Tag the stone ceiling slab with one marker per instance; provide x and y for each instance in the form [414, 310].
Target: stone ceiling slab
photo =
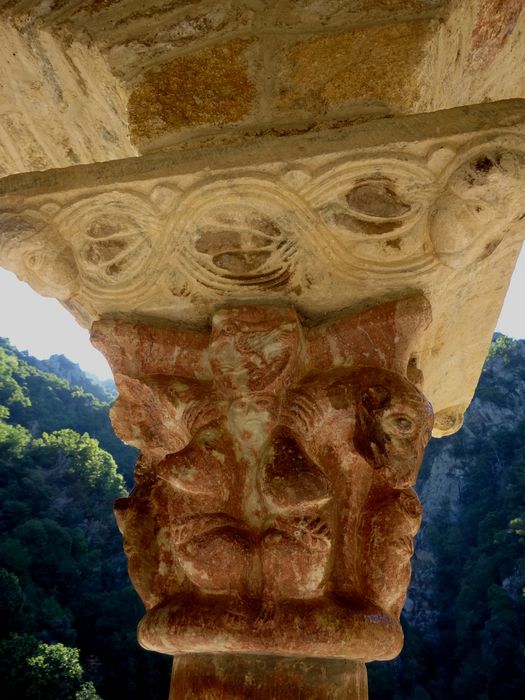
[112, 78]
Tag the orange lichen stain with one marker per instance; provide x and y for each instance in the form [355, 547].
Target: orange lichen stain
[212, 87]
[374, 64]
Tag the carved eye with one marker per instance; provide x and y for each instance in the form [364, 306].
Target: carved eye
[404, 424]
[401, 424]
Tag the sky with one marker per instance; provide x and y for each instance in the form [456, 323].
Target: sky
[43, 327]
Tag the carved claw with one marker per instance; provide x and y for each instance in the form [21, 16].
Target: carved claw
[303, 412]
[312, 532]
[234, 619]
[200, 412]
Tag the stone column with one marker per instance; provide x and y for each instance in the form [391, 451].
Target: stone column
[273, 512]
[227, 676]
[280, 316]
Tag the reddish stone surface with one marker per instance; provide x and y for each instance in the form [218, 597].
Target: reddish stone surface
[235, 677]
[495, 22]
[273, 510]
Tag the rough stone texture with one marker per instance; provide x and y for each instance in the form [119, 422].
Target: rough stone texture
[228, 677]
[59, 104]
[213, 86]
[273, 510]
[495, 21]
[112, 76]
[371, 64]
[335, 219]
[477, 55]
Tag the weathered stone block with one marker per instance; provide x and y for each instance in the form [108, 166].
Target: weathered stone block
[213, 87]
[377, 64]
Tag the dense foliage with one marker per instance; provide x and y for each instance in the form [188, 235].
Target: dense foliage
[68, 612]
[43, 402]
[475, 645]
[59, 365]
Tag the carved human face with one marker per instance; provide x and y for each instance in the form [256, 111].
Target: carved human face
[252, 351]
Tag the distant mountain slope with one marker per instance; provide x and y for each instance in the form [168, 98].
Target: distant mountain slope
[68, 612]
[465, 615]
[105, 391]
[52, 403]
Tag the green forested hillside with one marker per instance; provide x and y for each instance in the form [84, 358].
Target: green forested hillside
[42, 402]
[60, 366]
[68, 613]
[465, 617]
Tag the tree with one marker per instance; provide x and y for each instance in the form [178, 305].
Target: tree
[11, 602]
[32, 670]
[87, 692]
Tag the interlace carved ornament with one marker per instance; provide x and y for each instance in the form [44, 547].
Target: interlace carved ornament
[323, 222]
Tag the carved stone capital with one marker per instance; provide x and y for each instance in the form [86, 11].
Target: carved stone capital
[326, 221]
[271, 280]
[273, 511]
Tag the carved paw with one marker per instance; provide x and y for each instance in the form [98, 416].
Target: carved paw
[234, 619]
[312, 532]
[304, 412]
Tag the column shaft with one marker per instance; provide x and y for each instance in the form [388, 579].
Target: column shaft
[235, 677]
